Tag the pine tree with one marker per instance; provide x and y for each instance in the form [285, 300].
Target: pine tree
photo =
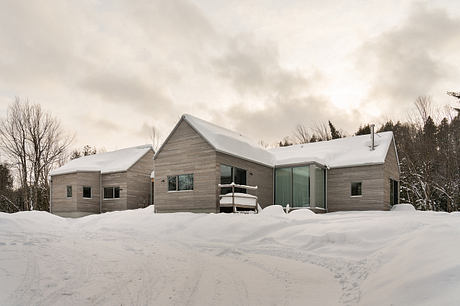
[334, 132]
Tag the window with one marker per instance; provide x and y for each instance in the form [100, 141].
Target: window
[229, 174]
[356, 189]
[69, 191]
[87, 192]
[394, 192]
[111, 192]
[181, 182]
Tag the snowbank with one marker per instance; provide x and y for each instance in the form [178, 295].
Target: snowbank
[302, 213]
[403, 207]
[141, 258]
[273, 210]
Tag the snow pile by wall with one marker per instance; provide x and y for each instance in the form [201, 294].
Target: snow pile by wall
[403, 207]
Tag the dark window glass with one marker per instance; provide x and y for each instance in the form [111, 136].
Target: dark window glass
[283, 186]
[186, 182]
[356, 189]
[87, 192]
[69, 191]
[172, 183]
[117, 192]
[108, 192]
[240, 178]
[226, 175]
[394, 192]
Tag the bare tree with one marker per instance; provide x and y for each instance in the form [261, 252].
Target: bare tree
[321, 130]
[155, 138]
[35, 143]
[301, 134]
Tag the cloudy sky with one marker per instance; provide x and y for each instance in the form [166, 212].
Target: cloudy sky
[111, 69]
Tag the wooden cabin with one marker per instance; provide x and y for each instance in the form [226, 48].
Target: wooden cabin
[110, 181]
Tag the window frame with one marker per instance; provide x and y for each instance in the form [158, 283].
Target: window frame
[69, 187]
[90, 192]
[113, 192]
[233, 170]
[360, 189]
[176, 180]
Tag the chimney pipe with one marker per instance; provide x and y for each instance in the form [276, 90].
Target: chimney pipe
[372, 137]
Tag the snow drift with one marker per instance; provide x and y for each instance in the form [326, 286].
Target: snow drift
[141, 258]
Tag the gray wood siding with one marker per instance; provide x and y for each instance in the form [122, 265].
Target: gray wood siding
[186, 152]
[118, 179]
[90, 179]
[339, 188]
[139, 182]
[59, 200]
[391, 171]
[262, 177]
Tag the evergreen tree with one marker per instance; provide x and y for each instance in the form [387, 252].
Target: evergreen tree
[334, 132]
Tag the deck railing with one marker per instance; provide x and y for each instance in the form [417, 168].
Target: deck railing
[233, 186]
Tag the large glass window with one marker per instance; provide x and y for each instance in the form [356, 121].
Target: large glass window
[301, 186]
[111, 192]
[283, 186]
[180, 182]
[229, 174]
[87, 192]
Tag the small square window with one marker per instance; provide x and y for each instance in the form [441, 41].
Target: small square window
[356, 189]
[69, 191]
[87, 192]
[186, 182]
[108, 192]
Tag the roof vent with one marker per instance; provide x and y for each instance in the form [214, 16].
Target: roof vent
[372, 126]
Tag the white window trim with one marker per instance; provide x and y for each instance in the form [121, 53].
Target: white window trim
[113, 192]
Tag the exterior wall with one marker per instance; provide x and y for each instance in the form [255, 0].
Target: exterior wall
[90, 179]
[75, 206]
[339, 188]
[391, 171]
[138, 179]
[118, 179]
[262, 177]
[186, 152]
[59, 201]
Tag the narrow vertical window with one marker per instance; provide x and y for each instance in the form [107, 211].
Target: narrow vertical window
[69, 191]
[172, 183]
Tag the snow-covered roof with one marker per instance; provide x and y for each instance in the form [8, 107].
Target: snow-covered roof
[342, 152]
[109, 162]
[230, 142]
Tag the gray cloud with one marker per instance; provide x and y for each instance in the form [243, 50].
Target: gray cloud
[409, 60]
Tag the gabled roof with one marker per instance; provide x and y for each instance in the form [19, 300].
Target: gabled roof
[337, 153]
[343, 152]
[109, 162]
[227, 141]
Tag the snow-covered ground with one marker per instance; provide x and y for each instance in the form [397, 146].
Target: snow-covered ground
[141, 258]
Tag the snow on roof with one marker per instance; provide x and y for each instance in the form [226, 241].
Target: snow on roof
[342, 152]
[230, 142]
[109, 162]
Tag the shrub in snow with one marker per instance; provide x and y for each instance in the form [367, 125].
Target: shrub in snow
[403, 207]
[273, 210]
[301, 213]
